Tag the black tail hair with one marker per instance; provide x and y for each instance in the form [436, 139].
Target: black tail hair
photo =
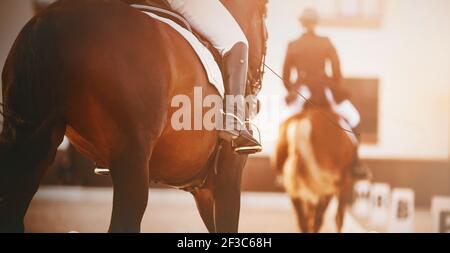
[21, 80]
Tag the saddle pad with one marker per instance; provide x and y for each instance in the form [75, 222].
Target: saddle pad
[210, 65]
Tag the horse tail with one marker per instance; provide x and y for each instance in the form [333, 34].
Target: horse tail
[281, 149]
[16, 80]
[29, 92]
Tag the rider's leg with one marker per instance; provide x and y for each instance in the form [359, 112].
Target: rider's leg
[233, 46]
[349, 112]
[212, 20]
[359, 170]
[345, 108]
[235, 73]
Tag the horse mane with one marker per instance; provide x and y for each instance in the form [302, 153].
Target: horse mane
[262, 6]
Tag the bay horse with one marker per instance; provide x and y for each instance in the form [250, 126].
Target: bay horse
[104, 74]
[315, 156]
[40, 5]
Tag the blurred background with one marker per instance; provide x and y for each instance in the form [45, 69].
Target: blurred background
[395, 57]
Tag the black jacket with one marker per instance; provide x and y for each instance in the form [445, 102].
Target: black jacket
[308, 56]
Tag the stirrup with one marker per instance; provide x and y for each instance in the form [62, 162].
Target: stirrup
[249, 150]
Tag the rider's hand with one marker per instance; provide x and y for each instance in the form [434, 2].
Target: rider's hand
[290, 98]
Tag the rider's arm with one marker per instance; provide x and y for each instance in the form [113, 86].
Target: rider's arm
[287, 69]
[340, 94]
[335, 64]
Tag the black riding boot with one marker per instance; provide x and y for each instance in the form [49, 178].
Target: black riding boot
[235, 81]
[359, 170]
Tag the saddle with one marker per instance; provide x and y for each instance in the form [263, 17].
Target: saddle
[163, 9]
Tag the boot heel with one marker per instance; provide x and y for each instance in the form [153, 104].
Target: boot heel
[228, 136]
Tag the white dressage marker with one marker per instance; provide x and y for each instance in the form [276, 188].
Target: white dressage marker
[380, 205]
[361, 203]
[401, 218]
[440, 212]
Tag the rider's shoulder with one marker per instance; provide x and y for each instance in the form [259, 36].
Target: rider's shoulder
[323, 38]
[292, 45]
[295, 43]
[307, 38]
[324, 41]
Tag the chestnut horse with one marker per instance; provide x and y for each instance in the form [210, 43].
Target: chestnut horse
[315, 157]
[104, 74]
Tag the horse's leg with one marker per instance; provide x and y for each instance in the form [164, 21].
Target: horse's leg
[130, 175]
[301, 217]
[340, 211]
[205, 205]
[23, 183]
[320, 212]
[226, 189]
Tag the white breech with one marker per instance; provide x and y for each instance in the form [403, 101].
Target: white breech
[344, 109]
[212, 20]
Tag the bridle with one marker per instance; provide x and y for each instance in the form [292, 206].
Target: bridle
[255, 77]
